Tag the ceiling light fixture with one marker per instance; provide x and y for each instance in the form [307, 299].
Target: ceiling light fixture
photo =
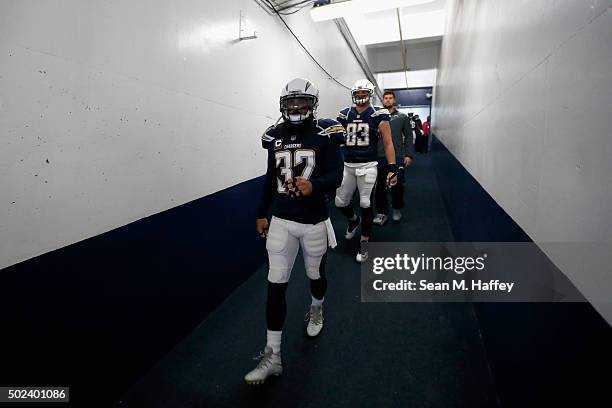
[344, 8]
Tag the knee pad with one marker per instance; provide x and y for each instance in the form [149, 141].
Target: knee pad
[364, 202]
[278, 275]
[344, 193]
[313, 271]
[369, 181]
[314, 247]
[340, 202]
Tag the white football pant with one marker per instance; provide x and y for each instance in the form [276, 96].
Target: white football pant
[284, 240]
[363, 178]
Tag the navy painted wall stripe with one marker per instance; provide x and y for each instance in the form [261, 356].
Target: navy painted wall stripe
[541, 354]
[104, 310]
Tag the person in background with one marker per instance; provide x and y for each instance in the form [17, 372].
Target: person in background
[412, 127]
[401, 135]
[426, 134]
[418, 129]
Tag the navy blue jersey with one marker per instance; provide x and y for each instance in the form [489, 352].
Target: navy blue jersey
[362, 133]
[413, 123]
[312, 152]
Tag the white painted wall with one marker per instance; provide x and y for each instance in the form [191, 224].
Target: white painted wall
[523, 98]
[113, 110]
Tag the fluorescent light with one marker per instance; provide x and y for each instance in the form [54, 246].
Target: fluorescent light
[347, 8]
[382, 29]
[416, 79]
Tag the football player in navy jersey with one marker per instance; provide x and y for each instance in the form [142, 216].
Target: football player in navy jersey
[304, 170]
[364, 124]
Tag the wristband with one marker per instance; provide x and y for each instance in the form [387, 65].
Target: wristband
[392, 168]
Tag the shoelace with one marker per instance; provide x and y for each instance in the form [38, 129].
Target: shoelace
[264, 359]
[315, 318]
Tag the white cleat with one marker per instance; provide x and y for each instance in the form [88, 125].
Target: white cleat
[315, 321]
[352, 228]
[380, 219]
[397, 215]
[362, 255]
[269, 364]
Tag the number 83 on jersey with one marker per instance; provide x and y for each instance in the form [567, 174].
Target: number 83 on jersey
[358, 134]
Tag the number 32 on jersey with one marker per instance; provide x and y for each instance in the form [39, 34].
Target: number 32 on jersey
[285, 161]
[358, 134]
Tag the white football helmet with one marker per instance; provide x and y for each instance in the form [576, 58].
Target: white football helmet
[360, 86]
[299, 100]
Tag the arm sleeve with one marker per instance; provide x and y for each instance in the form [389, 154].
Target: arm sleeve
[269, 187]
[408, 144]
[331, 177]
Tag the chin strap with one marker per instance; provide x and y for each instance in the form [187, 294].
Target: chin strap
[297, 119]
[306, 117]
[300, 127]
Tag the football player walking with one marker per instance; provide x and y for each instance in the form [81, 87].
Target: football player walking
[364, 124]
[304, 169]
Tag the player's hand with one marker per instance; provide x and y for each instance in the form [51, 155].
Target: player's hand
[298, 187]
[304, 186]
[392, 171]
[292, 188]
[407, 161]
[391, 179]
[262, 227]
